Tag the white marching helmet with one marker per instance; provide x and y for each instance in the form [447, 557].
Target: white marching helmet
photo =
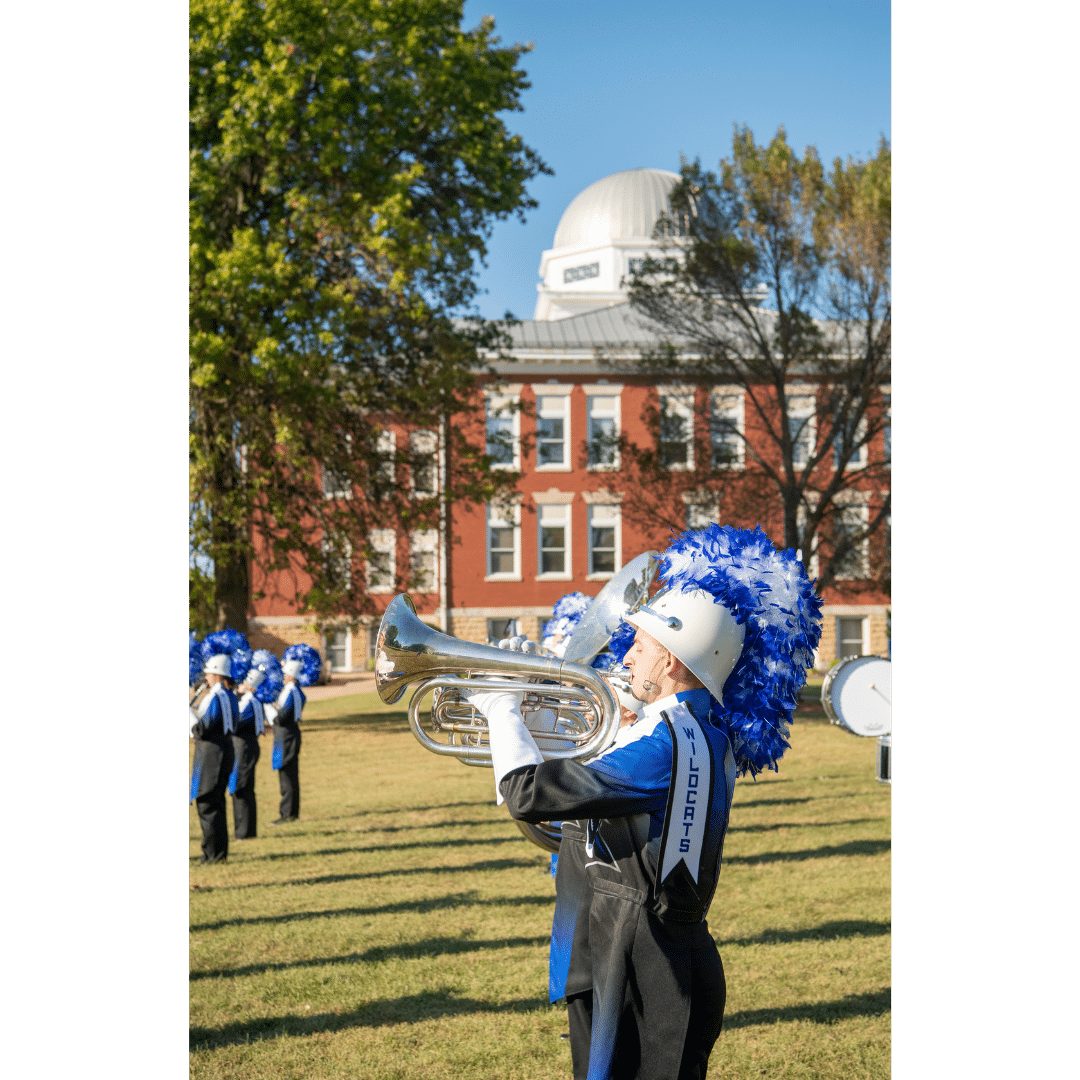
[698, 630]
[255, 678]
[292, 668]
[218, 664]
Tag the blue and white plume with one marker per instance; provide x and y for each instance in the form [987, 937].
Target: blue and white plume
[268, 690]
[195, 660]
[768, 591]
[235, 645]
[567, 614]
[311, 660]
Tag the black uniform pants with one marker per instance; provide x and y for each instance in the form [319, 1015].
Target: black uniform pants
[245, 820]
[215, 824]
[289, 779]
[707, 998]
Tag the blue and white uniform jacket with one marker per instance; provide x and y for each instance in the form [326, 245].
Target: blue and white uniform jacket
[643, 832]
[211, 727]
[251, 713]
[216, 716]
[290, 707]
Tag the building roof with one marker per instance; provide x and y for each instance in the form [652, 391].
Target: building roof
[622, 206]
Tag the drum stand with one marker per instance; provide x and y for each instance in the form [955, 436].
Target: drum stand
[884, 759]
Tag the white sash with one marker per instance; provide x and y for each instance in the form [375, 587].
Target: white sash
[690, 795]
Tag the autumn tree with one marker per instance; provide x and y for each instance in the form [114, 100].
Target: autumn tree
[773, 282]
[347, 161]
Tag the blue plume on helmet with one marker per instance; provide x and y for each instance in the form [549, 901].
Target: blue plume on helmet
[617, 648]
[768, 592]
[312, 662]
[195, 660]
[268, 690]
[235, 645]
[567, 614]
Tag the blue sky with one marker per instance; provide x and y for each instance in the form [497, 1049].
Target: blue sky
[630, 84]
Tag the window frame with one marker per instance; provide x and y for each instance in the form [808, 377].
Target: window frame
[808, 414]
[864, 638]
[554, 507]
[496, 402]
[556, 393]
[503, 517]
[424, 541]
[601, 390]
[695, 501]
[682, 398]
[383, 541]
[348, 645]
[346, 555]
[738, 410]
[843, 503]
[416, 450]
[610, 515]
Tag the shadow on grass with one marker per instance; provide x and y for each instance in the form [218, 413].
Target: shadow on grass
[464, 823]
[416, 950]
[394, 723]
[429, 1005]
[798, 825]
[770, 802]
[465, 841]
[820, 1012]
[853, 847]
[421, 907]
[830, 931]
[412, 871]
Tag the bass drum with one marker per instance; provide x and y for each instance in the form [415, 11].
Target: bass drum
[545, 835]
[857, 695]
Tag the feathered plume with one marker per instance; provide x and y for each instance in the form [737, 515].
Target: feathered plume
[567, 614]
[235, 645]
[768, 592]
[195, 660]
[617, 648]
[270, 666]
[309, 658]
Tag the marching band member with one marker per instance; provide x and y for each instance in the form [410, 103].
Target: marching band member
[300, 666]
[246, 747]
[717, 661]
[211, 727]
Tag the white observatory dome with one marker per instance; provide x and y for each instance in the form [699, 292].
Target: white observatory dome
[622, 206]
[602, 236]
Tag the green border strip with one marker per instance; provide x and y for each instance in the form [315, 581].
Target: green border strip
[95, 191]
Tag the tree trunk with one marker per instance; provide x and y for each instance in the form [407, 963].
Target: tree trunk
[232, 593]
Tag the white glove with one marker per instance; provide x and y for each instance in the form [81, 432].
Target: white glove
[520, 644]
[192, 721]
[269, 712]
[511, 744]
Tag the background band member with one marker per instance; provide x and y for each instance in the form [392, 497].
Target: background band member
[300, 667]
[718, 658]
[211, 727]
[245, 739]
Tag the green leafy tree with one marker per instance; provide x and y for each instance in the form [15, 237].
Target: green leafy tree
[775, 280]
[347, 162]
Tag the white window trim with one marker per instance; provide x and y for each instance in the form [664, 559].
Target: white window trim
[568, 524]
[596, 390]
[886, 388]
[346, 555]
[807, 410]
[421, 540]
[604, 575]
[861, 460]
[417, 439]
[554, 390]
[865, 628]
[810, 498]
[503, 517]
[682, 401]
[505, 403]
[348, 646]
[385, 542]
[734, 404]
[702, 499]
[856, 500]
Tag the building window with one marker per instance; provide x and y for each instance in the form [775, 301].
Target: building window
[503, 431]
[603, 431]
[336, 645]
[553, 537]
[580, 273]
[676, 431]
[802, 428]
[552, 431]
[504, 543]
[728, 447]
[384, 472]
[605, 540]
[702, 508]
[423, 560]
[500, 629]
[849, 636]
[886, 434]
[334, 485]
[337, 563]
[849, 522]
[381, 568]
[858, 439]
[422, 449]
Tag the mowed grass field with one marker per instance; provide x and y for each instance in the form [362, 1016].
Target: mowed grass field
[399, 930]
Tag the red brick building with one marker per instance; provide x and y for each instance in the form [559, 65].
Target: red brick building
[555, 413]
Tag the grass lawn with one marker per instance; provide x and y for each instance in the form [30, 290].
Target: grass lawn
[399, 930]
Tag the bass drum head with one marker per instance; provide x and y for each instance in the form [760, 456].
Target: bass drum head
[546, 835]
[857, 695]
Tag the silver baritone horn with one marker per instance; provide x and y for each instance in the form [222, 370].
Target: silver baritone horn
[571, 712]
